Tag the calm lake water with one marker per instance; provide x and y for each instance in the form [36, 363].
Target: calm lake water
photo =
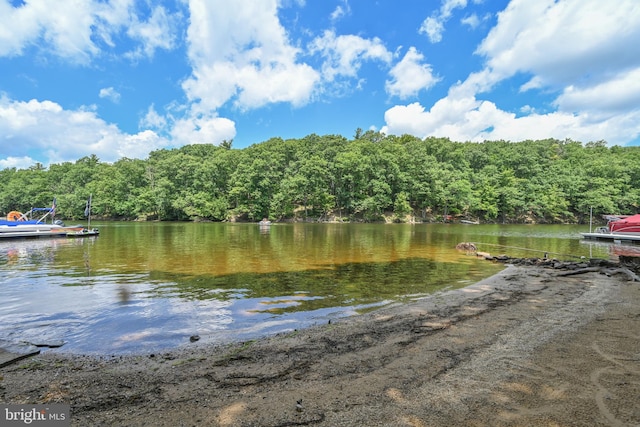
[142, 287]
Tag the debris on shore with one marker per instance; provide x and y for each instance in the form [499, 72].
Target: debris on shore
[627, 265]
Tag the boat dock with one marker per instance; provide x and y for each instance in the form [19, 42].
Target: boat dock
[613, 237]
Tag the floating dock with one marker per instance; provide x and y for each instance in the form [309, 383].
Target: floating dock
[613, 237]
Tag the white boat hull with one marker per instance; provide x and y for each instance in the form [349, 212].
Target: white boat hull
[42, 230]
[35, 233]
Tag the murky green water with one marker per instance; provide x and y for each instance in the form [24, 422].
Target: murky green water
[147, 286]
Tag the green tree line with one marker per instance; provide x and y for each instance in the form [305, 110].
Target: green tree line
[369, 178]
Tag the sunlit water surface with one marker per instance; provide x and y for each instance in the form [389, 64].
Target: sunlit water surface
[142, 287]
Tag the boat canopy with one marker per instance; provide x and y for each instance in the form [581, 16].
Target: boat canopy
[633, 219]
[16, 218]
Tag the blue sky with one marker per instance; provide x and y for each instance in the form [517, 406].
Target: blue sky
[121, 78]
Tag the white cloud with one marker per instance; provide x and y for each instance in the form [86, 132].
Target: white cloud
[137, 146]
[158, 32]
[448, 6]
[459, 118]
[239, 51]
[433, 26]
[341, 11]
[64, 135]
[65, 27]
[73, 29]
[203, 130]
[337, 13]
[410, 76]
[16, 28]
[345, 54]
[473, 21]
[564, 42]
[468, 119]
[242, 56]
[110, 93]
[584, 50]
[153, 120]
[618, 94]
[17, 162]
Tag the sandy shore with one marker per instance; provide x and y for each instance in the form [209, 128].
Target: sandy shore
[527, 347]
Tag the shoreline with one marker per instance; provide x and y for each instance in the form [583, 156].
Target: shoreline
[527, 346]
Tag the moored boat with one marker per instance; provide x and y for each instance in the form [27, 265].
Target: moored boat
[618, 228]
[18, 225]
[624, 225]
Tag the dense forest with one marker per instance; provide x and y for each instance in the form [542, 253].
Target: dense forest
[372, 177]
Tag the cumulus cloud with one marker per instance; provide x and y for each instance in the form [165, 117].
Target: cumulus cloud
[239, 51]
[17, 162]
[138, 145]
[594, 69]
[203, 130]
[241, 56]
[558, 44]
[344, 55]
[66, 135]
[621, 92]
[184, 127]
[74, 31]
[410, 76]
[66, 28]
[469, 119]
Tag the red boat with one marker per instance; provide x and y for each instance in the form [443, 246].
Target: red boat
[624, 225]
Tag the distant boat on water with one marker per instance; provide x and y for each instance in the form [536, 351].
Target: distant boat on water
[466, 221]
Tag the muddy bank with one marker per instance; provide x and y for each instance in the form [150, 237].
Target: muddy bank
[529, 346]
